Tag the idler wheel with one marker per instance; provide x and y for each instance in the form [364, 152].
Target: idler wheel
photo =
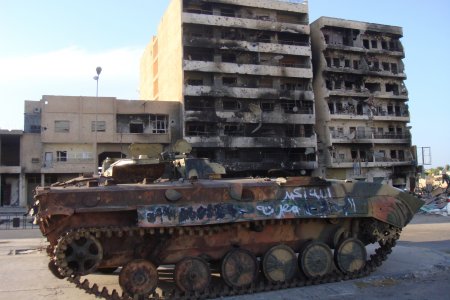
[350, 255]
[139, 277]
[316, 259]
[239, 268]
[192, 274]
[280, 264]
[83, 254]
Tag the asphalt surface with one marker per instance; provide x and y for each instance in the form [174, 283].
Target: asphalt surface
[418, 268]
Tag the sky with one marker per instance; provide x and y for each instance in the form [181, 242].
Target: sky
[52, 47]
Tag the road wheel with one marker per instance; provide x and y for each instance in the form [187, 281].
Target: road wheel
[316, 259]
[239, 268]
[139, 277]
[350, 255]
[192, 274]
[280, 264]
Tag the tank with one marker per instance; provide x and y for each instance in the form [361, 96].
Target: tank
[248, 234]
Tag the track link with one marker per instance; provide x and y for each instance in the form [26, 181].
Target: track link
[217, 289]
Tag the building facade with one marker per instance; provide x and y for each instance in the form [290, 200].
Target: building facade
[361, 102]
[242, 71]
[63, 135]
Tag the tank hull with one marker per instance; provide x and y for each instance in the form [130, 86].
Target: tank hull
[205, 221]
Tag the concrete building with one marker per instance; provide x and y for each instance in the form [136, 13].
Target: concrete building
[60, 134]
[361, 102]
[242, 71]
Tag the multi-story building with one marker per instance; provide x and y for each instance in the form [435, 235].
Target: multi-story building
[242, 71]
[361, 102]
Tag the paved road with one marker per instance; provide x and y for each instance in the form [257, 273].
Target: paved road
[418, 268]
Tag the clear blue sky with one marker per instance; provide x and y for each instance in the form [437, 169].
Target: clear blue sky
[52, 47]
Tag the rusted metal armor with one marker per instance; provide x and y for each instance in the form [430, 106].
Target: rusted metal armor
[257, 233]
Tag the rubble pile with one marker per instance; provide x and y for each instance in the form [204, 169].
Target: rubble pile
[436, 202]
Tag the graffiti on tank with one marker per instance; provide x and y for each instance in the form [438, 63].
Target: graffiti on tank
[163, 213]
[296, 203]
[308, 193]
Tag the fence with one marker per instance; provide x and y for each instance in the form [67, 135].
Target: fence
[16, 222]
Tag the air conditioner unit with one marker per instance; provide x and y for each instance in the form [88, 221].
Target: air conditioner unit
[37, 110]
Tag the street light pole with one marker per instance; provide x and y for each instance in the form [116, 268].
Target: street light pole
[98, 70]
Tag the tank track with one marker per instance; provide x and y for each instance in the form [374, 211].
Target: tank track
[216, 290]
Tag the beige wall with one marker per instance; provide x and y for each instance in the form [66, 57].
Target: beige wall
[78, 142]
[31, 153]
[146, 76]
[169, 54]
[80, 112]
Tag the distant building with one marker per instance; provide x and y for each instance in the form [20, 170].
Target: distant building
[361, 102]
[242, 71]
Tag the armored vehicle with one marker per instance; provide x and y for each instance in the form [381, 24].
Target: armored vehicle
[257, 233]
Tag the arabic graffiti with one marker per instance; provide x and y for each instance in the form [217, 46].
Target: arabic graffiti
[297, 203]
[160, 213]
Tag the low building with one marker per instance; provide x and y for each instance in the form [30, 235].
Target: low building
[66, 136]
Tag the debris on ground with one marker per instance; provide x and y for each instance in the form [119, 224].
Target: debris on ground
[436, 202]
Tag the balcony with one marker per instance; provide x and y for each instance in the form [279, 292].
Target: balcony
[253, 142]
[395, 138]
[204, 17]
[347, 48]
[374, 72]
[250, 69]
[369, 163]
[247, 92]
[365, 93]
[369, 138]
[376, 116]
[278, 116]
[261, 45]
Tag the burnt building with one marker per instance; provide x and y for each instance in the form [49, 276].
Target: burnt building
[361, 102]
[242, 71]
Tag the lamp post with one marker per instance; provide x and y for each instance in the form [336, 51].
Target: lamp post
[98, 70]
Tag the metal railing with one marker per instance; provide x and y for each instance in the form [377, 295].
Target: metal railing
[369, 135]
[16, 221]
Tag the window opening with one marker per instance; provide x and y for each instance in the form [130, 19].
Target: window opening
[366, 44]
[229, 57]
[229, 81]
[101, 126]
[158, 123]
[267, 106]
[61, 155]
[136, 127]
[62, 126]
[231, 105]
[194, 81]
